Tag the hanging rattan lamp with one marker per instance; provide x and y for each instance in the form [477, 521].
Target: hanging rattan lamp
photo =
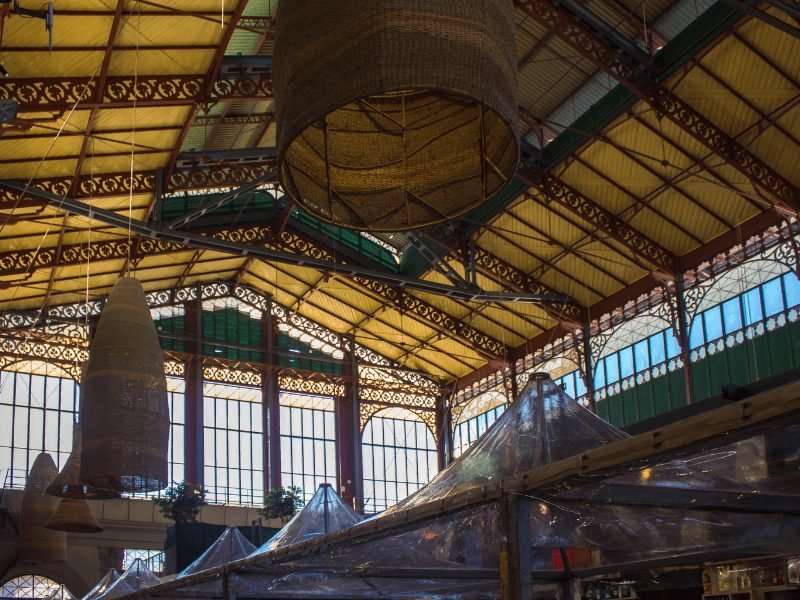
[68, 485]
[75, 516]
[36, 543]
[124, 412]
[395, 114]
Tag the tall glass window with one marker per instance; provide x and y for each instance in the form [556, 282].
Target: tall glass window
[308, 442]
[34, 586]
[37, 410]
[176, 388]
[475, 419]
[233, 437]
[399, 454]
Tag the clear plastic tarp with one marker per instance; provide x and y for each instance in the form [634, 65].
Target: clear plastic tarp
[229, 546]
[106, 582]
[137, 577]
[324, 513]
[740, 499]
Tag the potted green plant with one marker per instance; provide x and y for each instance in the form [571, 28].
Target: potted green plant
[182, 502]
[282, 503]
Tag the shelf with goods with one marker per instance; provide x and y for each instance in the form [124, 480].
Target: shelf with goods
[752, 579]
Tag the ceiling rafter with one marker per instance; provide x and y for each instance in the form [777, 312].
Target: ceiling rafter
[639, 244]
[325, 311]
[505, 273]
[613, 62]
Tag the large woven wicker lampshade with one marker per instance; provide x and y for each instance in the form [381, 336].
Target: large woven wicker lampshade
[124, 412]
[395, 114]
[36, 543]
[75, 516]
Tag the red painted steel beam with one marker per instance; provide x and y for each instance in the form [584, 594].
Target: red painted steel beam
[57, 94]
[211, 176]
[612, 61]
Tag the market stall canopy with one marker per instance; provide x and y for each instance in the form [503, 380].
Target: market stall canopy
[324, 513]
[229, 546]
[109, 579]
[137, 577]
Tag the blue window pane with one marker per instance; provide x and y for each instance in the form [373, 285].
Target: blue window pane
[580, 386]
[791, 287]
[612, 368]
[626, 362]
[713, 322]
[569, 382]
[673, 348]
[657, 355]
[732, 315]
[773, 297]
[696, 337]
[751, 305]
[600, 374]
[641, 355]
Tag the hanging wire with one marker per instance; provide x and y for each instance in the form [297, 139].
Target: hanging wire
[133, 135]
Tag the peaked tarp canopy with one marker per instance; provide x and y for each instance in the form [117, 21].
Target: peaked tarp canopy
[106, 582]
[229, 546]
[135, 578]
[324, 513]
[741, 499]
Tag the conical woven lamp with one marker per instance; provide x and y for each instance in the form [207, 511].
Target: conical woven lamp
[67, 484]
[124, 411]
[36, 543]
[74, 515]
[395, 114]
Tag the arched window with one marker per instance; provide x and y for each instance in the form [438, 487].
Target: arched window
[475, 419]
[34, 586]
[399, 454]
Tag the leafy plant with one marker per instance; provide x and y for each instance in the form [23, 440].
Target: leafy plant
[282, 503]
[182, 502]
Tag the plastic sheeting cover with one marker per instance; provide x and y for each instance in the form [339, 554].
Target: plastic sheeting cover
[324, 513]
[229, 546]
[137, 577]
[106, 582]
[541, 426]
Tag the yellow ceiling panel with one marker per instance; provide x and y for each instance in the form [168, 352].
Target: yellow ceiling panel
[145, 116]
[15, 149]
[168, 29]
[147, 62]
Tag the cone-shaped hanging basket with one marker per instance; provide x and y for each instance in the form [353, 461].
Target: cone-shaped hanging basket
[124, 411]
[395, 114]
[74, 515]
[36, 542]
[67, 484]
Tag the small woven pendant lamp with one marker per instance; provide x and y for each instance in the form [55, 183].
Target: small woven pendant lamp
[67, 484]
[75, 516]
[36, 543]
[124, 412]
[395, 114]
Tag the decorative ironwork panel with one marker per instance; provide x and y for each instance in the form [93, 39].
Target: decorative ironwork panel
[304, 385]
[225, 374]
[55, 94]
[406, 302]
[638, 243]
